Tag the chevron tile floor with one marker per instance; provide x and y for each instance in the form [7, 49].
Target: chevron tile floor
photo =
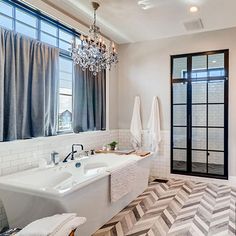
[177, 208]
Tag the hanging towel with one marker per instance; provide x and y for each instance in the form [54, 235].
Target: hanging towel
[136, 125]
[122, 180]
[56, 225]
[154, 129]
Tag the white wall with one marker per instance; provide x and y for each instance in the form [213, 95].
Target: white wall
[144, 70]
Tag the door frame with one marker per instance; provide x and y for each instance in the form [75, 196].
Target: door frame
[188, 104]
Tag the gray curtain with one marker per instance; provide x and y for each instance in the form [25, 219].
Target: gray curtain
[28, 87]
[89, 103]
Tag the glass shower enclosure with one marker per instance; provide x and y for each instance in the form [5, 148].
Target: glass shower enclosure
[199, 114]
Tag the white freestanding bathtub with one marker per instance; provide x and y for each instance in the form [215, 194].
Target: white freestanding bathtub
[37, 193]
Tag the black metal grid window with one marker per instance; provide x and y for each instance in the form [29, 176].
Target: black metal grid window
[23, 19]
[199, 114]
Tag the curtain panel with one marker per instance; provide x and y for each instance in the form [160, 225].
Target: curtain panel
[29, 72]
[89, 100]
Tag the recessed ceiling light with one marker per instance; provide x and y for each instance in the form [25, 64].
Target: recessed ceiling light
[193, 9]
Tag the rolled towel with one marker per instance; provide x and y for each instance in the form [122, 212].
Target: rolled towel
[53, 225]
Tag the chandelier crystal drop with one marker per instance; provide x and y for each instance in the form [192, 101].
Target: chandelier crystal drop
[92, 53]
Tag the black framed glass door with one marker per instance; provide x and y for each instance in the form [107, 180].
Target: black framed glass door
[199, 114]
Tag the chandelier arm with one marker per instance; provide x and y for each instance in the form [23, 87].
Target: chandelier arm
[92, 53]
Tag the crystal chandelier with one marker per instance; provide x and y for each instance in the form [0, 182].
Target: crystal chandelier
[92, 53]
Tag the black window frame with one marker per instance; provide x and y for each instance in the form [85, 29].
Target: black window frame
[40, 16]
[188, 79]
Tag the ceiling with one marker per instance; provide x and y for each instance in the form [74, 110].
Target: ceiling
[125, 21]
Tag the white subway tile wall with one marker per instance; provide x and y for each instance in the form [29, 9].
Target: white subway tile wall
[161, 162]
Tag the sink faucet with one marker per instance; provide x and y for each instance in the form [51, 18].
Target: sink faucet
[73, 152]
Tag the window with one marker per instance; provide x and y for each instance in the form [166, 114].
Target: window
[65, 95]
[22, 19]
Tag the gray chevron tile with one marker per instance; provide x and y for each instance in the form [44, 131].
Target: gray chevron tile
[177, 208]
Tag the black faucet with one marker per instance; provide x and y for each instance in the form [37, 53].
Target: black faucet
[73, 152]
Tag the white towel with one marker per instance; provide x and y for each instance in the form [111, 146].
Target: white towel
[154, 129]
[55, 225]
[136, 125]
[122, 181]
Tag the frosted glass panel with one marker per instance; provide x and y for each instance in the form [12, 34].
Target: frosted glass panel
[216, 163]
[199, 138]
[199, 66]
[199, 115]
[216, 115]
[179, 159]
[179, 136]
[216, 139]
[199, 92]
[216, 65]
[179, 93]
[180, 115]
[199, 160]
[180, 68]
[216, 92]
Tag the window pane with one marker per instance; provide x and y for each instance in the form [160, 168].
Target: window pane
[179, 93]
[65, 36]
[78, 41]
[216, 64]
[216, 61]
[48, 28]
[216, 92]
[180, 115]
[199, 66]
[216, 139]
[66, 65]
[199, 92]
[216, 115]
[65, 113]
[179, 137]
[179, 160]
[26, 30]
[199, 115]
[199, 138]
[216, 163]
[6, 22]
[199, 160]
[180, 68]
[6, 9]
[48, 39]
[26, 18]
[65, 46]
[65, 90]
[65, 83]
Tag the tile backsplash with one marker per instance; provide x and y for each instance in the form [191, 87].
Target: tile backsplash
[161, 161]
